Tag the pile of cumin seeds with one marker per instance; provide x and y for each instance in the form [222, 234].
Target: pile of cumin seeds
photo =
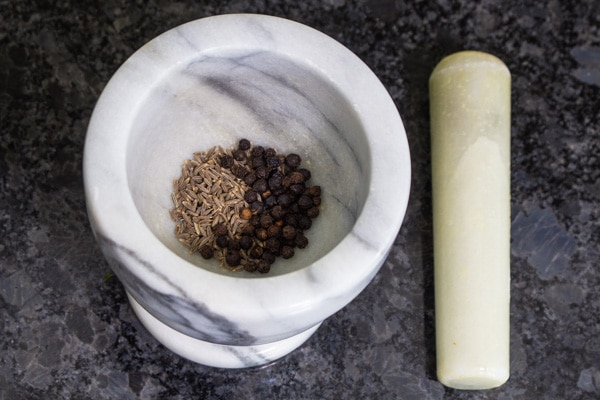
[205, 196]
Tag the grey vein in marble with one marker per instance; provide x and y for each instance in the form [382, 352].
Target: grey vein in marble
[171, 308]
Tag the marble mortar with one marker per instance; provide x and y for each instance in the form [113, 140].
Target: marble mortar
[280, 84]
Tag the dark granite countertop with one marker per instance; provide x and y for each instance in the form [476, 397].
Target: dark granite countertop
[67, 330]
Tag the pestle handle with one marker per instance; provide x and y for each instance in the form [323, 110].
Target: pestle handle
[470, 145]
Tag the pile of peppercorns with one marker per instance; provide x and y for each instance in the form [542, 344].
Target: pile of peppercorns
[281, 207]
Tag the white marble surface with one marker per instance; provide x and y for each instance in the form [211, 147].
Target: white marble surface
[276, 82]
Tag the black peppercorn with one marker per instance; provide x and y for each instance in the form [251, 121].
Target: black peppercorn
[273, 231]
[288, 232]
[261, 234]
[294, 207]
[270, 152]
[222, 241]
[277, 172]
[304, 222]
[291, 219]
[296, 177]
[233, 258]
[272, 244]
[250, 178]
[278, 190]
[306, 173]
[207, 251]
[256, 252]
[255, 221]
[286, 181]
[305, 202]
[270, 202]
[316, 200]
[285, 199]
[297, 188]
[226, 161]
[268, 256]
[287, 252]
[257, 151]
[248, 230]
[275, 180]
[250, 266]
[293, 160]
[219, 229]
[257, 162]
[314, 191]
[246, 242]
[301, 240]
[257, 207]
[266, 221]
[262, 172]
[260, 185]
[251, 196]
[278, 212]
[244, 144]
[263, 267]
[239, 171]
[239, 155]
[272, 162]
[312, 212]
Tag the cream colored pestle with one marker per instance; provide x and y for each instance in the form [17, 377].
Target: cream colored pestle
[470, 145]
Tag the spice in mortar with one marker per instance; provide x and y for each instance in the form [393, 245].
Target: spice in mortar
[244, 206]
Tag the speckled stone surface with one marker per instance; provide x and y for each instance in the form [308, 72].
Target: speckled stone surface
[67, 330]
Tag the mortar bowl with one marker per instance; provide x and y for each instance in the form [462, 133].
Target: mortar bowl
[279, 84]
